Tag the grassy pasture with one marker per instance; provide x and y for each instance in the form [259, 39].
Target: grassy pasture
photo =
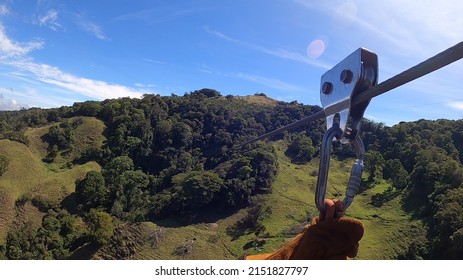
[29, 177]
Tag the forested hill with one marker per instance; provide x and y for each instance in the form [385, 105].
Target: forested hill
[97, 167]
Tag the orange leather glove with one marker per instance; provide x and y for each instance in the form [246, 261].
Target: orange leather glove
[330, 237]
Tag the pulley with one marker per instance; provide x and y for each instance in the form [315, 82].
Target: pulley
[356, 73]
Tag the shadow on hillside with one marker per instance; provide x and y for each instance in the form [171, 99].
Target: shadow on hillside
[416, 202]
[380, 199]
[365, 185]
[70, 204]
[85, 252]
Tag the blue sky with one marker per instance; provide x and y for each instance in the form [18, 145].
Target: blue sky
[55, 53]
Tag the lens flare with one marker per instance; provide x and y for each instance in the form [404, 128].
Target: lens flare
[316, 48]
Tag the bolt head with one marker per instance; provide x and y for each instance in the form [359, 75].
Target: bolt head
[327, 87]
[346, 76]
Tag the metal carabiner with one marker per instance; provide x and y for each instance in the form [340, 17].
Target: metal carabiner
[324, 166]
[355, 179]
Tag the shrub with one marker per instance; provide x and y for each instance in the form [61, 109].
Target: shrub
[4, 162]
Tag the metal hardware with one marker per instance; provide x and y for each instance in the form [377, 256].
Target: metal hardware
[355, 178]
[324, 166]
[356, 173]
[356, 73]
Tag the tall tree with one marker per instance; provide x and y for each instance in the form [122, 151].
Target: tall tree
[101, 226]
[91, 191]
[374, 163]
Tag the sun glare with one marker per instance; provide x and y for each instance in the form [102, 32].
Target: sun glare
[316, 48]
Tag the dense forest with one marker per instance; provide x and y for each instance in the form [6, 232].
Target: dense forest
[174, 155]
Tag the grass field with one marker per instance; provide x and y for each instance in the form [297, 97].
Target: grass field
[259, 100]
[88, 133]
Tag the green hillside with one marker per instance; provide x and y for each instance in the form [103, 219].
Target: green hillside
[164, 177]
[29, 179]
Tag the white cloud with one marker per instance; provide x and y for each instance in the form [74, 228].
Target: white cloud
[145, 86]
[15, 55]
[7, 104]
[50, 20]
[91, 88]
[456, 105]
[11, 49]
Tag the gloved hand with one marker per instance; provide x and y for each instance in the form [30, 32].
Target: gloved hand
[330, 237]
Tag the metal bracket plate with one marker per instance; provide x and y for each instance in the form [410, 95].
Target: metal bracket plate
[356, 73]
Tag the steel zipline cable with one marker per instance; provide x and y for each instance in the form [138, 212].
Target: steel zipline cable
[430, 65]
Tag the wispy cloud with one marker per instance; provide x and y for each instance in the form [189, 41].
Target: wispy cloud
[281, 53]
[351, 15]
[4, 10]
[157, 15]
[11, 49]
[139, 15]
[91, 27]
[50, 19]
[456, 105]
[94, 29]
[91, 88]
[155, 61]
[403, 34]
[430, 19]
[16, 56]
[257, 79]
[268, 82]
[405, 27]
[205, 68]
